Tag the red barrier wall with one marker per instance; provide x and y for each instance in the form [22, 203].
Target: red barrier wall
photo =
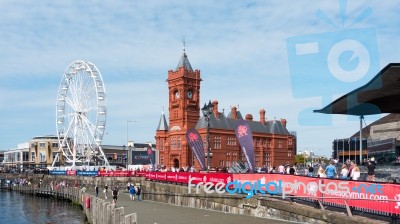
[381, 197]
[183, 177]
[117, 173]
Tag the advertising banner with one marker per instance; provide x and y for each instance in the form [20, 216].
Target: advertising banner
[142, 157]
[183, 177]
[382, 197]
[118, 173]
[141, 173]
[58, 172]
[196, 144]
[211, 177]
[371, 196]
[375, 196]
[245, 138]
[71, 172]
[87, 173]
[277, 184]
[150, 154]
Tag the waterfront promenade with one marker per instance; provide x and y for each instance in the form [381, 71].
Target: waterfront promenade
[150, 212]
[165, 204]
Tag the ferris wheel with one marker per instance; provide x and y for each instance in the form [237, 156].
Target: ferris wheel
[81, 115]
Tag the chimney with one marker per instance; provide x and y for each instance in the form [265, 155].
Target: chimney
[262, 116]
[249, 117]
[283, 121]
[234, 112]
[215, 108]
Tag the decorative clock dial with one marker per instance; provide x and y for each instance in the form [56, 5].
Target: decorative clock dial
[189, 94]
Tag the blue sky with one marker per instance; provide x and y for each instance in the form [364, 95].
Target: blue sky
[241, 47]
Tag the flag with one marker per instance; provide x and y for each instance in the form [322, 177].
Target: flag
[150, 154]
[245, 138]
[196, 144]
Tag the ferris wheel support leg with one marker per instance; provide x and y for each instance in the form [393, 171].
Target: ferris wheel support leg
[106, 163]
[55, 160]
[73, 166]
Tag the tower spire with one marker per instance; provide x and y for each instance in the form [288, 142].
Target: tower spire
[184, 61]
[162, 124]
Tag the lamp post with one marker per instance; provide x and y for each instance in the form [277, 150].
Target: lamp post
[126, 161]
[131, 145]
[207, 111]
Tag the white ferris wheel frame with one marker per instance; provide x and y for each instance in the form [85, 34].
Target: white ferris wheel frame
[81, 114]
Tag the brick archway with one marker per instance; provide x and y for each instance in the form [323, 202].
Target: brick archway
[175, 163]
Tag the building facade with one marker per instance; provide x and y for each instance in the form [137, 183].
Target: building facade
[41, 151]
[273, 143]
[17, 158]
[381, 140]
[1, 158]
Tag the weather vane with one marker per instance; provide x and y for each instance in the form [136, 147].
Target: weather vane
[184, 43]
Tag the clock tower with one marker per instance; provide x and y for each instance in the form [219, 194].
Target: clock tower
[184, 113]
[184, 95]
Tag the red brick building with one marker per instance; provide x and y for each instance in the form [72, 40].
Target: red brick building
[273, 144]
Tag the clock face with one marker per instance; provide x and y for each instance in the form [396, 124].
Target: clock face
[177, 95]
[189, 94]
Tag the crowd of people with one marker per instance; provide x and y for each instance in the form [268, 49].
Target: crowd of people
[57, 185]
[135, 192]
[346, 171]
[20, 182]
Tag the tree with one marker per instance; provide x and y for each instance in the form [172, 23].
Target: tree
[299, 159]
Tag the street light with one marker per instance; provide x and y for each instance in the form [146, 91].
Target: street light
[131, 144]
[126, 161]
[207, 111]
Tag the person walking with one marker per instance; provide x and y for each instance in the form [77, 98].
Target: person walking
[96, 188]
[321, 172]
[115, 193]
[371, 171]
[138, 193]
[105, 191]
[281, 169]
[355, 174]
[344, 174]
[292, 170]
[351, 169]
[132, 192]
[311, 171]
[306, 170]
[330, 170]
